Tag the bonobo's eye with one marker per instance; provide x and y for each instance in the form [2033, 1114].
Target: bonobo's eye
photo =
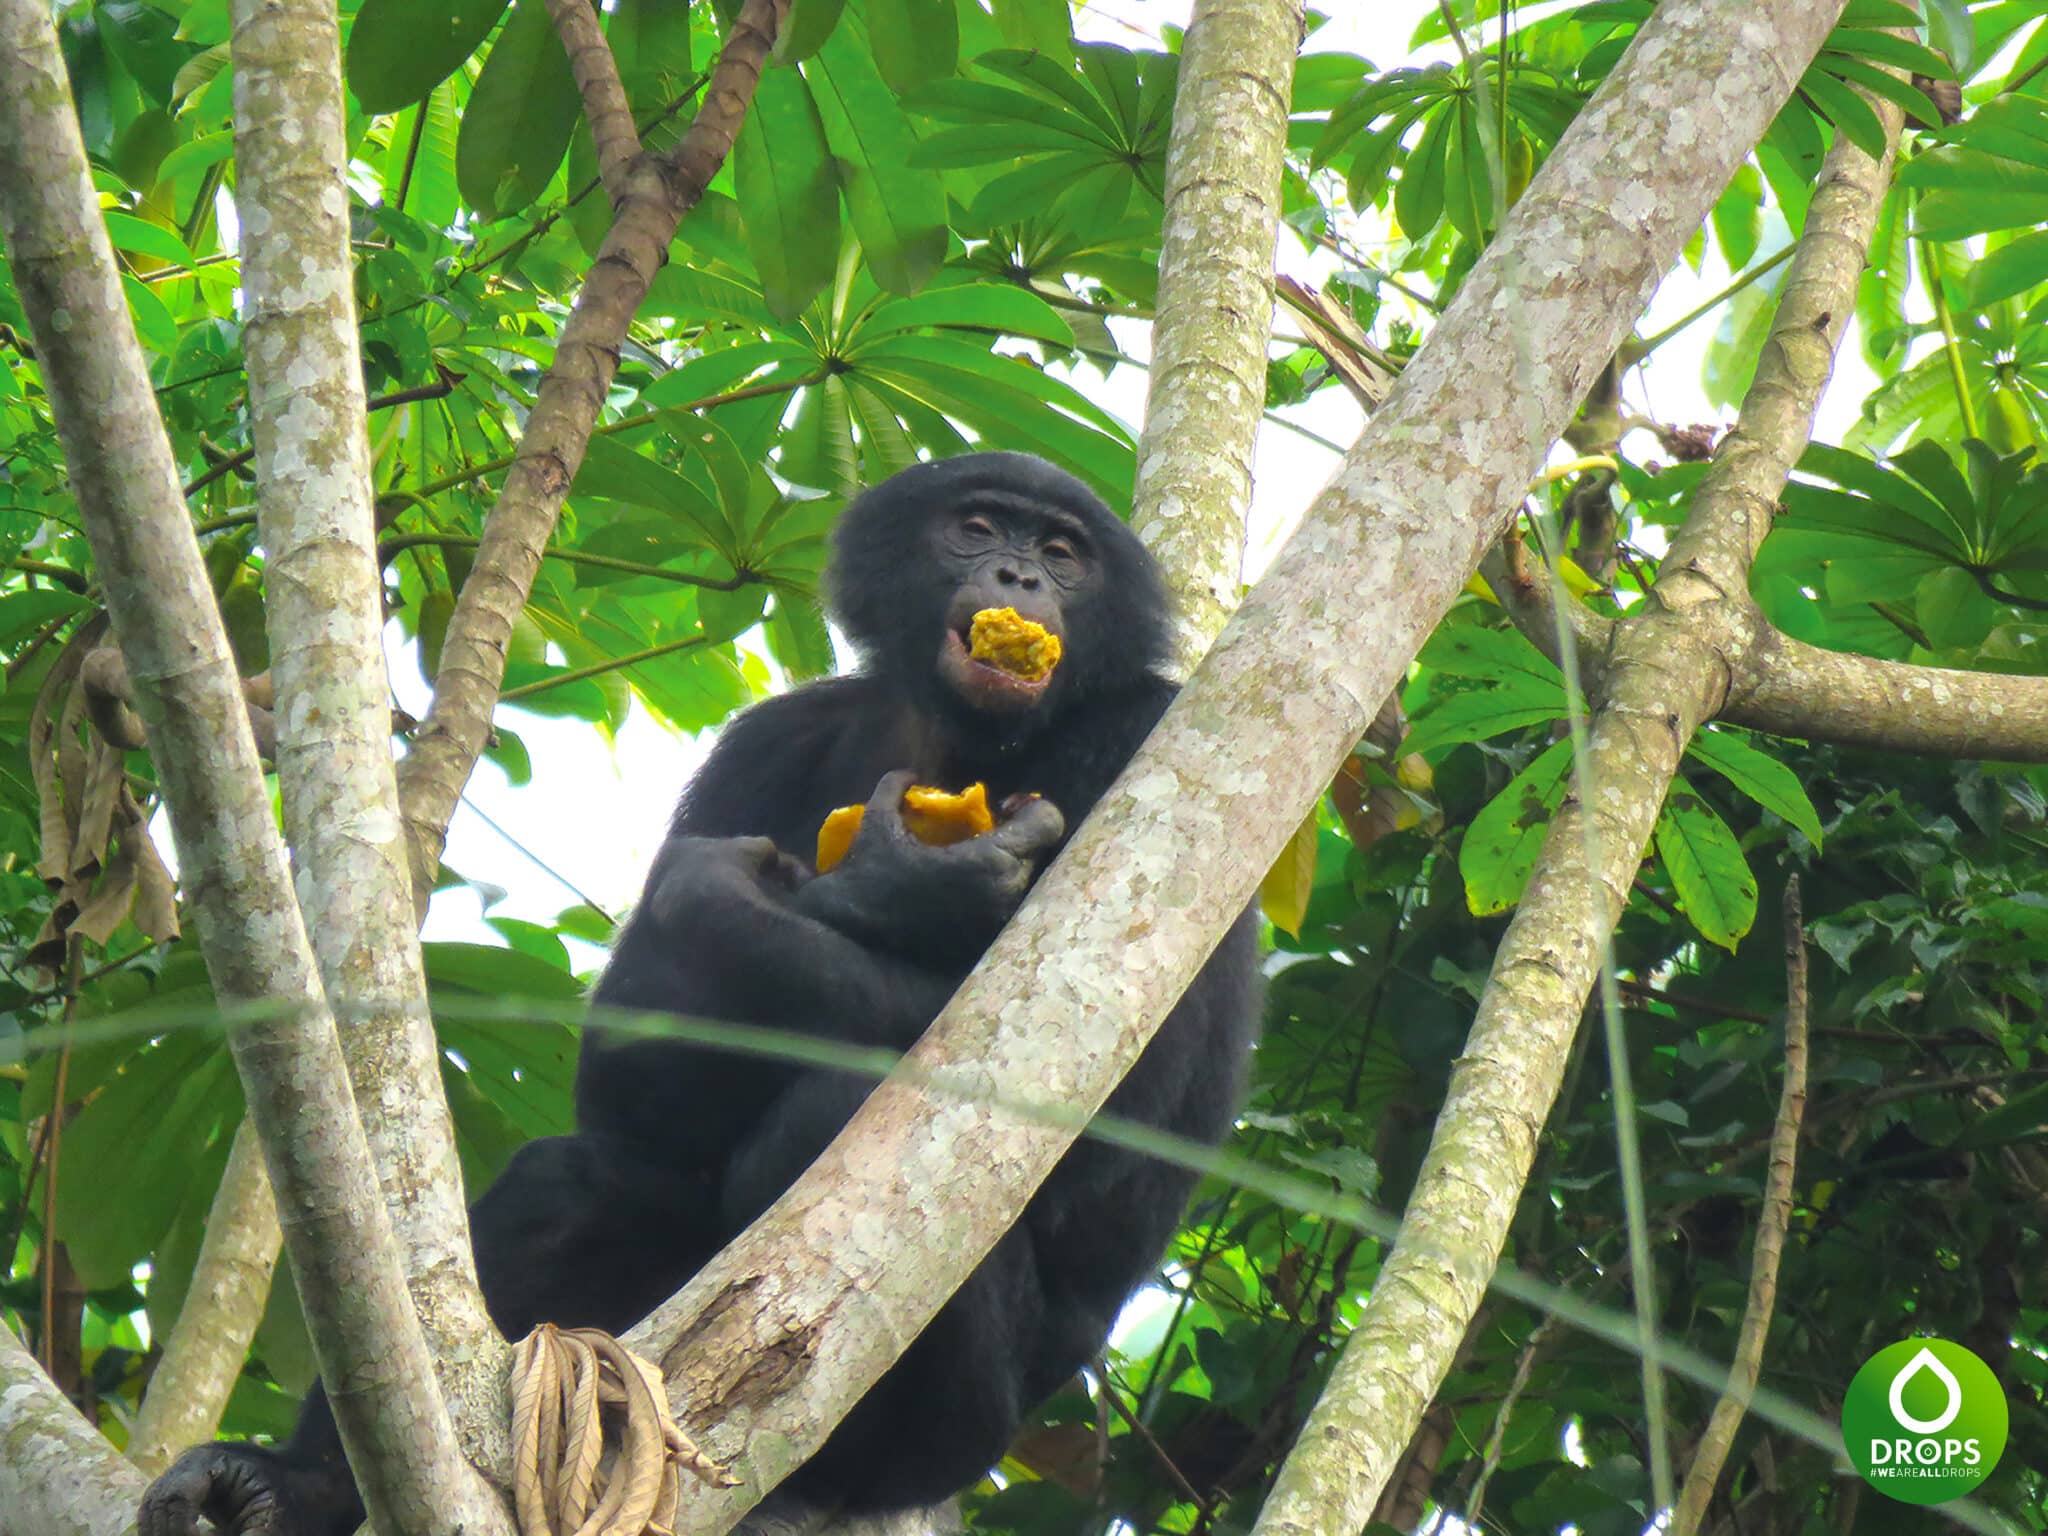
[977, 527]
[1064, 561]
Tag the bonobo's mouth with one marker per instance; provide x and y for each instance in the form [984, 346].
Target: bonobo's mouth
[980, 685]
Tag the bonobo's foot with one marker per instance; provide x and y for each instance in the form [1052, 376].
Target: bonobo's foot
[246, 1490]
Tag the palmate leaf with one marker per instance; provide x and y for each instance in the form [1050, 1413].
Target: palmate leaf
[1758, 775]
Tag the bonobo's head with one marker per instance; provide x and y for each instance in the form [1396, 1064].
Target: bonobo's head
[915, 558]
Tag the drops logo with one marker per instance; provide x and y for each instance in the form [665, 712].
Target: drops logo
[1924, 1421]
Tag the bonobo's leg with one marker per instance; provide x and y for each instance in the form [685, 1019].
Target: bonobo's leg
[578, 1230]
[943, 1414]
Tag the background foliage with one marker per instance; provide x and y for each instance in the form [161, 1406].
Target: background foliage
[927, 223]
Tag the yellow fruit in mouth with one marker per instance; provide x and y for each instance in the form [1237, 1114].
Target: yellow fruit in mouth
[1006, 640]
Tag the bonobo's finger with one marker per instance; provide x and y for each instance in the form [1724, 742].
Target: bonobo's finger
[885, 805]
[753, 854]
[1030, 829]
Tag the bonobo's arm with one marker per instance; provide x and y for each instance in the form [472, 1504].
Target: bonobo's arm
[940, 905]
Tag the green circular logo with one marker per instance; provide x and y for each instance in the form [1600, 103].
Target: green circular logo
[1924, 1421]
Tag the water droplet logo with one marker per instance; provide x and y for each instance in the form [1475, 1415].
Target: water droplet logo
[1925, 1361]
[1924, 1421]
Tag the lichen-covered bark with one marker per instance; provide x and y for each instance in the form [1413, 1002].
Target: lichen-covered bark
[232, 863]
[1208, 376]
[1794, 689]
[765, 1343]
[324, 601]
[206, 1348]
[1665, 675]
[657, 193]
[605, 108]
[58, 1475]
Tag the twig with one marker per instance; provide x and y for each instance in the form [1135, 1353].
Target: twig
[1772, 1224]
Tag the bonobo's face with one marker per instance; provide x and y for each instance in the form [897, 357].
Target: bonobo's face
[1038, 561]
[916, 557]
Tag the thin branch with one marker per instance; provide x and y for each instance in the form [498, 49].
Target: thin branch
[207, 1347]
[598, 669]
[390, 549]
[1772, 1224]
[656, 196]
[439, 389]
[605, 107]
[1634, 352]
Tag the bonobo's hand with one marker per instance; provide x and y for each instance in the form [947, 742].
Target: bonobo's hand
[936, 903]
[699, 883]
[245, 1490]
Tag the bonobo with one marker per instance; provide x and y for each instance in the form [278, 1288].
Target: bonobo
[677, 1148]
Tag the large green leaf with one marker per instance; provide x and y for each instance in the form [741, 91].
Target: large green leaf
[898, 211]
[521, 110]
[1708, 873]
[788, 193]
[1500, 847]
[398, 50]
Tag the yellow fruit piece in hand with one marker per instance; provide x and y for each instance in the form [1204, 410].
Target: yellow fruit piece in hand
[934, 816]
[1006, 640]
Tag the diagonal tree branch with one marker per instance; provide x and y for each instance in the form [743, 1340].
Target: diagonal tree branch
[235, 874]
[605, 107]
[1666, 675]
[656, 195]
[766, 1348]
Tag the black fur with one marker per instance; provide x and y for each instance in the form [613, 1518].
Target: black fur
[678, 1148]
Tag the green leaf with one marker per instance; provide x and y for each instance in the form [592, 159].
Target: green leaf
[898, 211]
[153, 322]
[914, 41]
[616, 472]
[1760, 776]
[809, 24]
[798, 638]
[2015, 267]
[788, 193]
[521, 111]
[1496, 655]
[129, 233]
[1708, 872]
[1002, 308]
[1501, 845]
[398, 50]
